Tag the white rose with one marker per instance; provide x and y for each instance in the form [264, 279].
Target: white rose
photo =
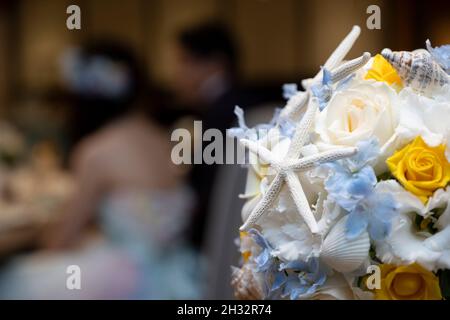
[366, 109]
[425, 117]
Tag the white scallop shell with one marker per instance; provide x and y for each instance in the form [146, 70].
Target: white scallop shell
[417, 69]
[245, 285]
[341, 253]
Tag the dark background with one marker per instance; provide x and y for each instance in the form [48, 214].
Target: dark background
[280, 40]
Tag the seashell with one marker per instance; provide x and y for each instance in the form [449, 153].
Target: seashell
[341, 253]
[418, 70]
[245, 285]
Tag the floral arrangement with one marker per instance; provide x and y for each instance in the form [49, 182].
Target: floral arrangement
[347, 193]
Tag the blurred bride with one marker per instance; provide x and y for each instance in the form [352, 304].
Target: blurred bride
[126, 185]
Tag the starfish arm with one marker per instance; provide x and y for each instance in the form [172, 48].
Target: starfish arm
[310, 162]
[337, 56]
[298, 195]
[343, 48]
[263, 153]
[267, 200]
[295, 105]
[302, 130]
[349, 67]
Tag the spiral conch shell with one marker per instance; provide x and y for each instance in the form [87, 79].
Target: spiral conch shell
[245, 285]
[418, 70]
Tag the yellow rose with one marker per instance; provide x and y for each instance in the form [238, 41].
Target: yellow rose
[421, 169]
[382, 70]
[411, 282]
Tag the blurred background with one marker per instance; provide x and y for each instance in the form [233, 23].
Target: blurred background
[86, 117]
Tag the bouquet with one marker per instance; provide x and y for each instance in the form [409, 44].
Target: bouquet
[347, 193]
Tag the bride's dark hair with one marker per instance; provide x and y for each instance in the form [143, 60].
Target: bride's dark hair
[107, 81]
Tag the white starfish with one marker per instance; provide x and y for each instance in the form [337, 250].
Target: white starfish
[337, 56]
[287, 168]
[338, 70]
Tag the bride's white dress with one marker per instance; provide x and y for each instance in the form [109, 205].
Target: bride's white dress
[144, 255]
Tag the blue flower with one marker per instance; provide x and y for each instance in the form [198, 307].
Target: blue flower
[264, 261]
[352, 187]
[373, 214]
[299, 279]
[289, 90]
[346, 188]
[286, 127]
[242, 131]
[324, 90]
[294, 279]
[441, 55]
[260, 130]
[368, 151]
[353, 179]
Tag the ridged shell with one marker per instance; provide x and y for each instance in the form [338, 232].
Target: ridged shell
[417, 69]
[342, 254]
[245, 286]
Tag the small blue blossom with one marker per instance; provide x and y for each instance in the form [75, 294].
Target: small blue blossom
[441, 55]
[299, 279]
[240, 117]
[264, 261]
[294, 279]
[289, 90]
[368, 151]
[255, 133]
[347, 188]
[242, 131]
[324, 90]
[373, 214]
[286, 127]
[352, 186]
[353, 179]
